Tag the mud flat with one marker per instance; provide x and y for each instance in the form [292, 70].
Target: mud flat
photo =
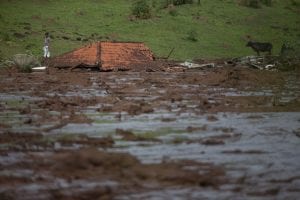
[225, 133]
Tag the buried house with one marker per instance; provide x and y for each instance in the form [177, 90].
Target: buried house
[105, 56]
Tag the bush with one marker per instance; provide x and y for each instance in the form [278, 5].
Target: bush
[294, 3]
[181, 2]
[192, 35]
[166, 3]
[25, 62]
[141, 9]
[255, 3]
[5, 37]
[267, 2]
[289, 58]
[172, 10]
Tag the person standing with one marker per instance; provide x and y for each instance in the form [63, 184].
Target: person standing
[46, 45]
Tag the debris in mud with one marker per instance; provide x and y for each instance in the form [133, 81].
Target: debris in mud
[270, 63]
[130, 136]
[57, 103]
[258, 62]
[2, 125]
[268, 192]
[39, 68]
[212, 118]
[87, 172]
[91, 163]
[131, 108]
[192, 65]
[127, 135]
[212, 141]
[297, 132]
[238, 151]
[105, 193]
[19, 138]
[192, 129]
[38, 142]
[168, 119]
[103, 142]
[10, 141]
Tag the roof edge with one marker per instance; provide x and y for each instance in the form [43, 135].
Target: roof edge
[99, 42]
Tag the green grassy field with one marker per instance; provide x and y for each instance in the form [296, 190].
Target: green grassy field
[220, 26]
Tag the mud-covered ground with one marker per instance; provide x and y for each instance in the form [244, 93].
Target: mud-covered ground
[224, 133]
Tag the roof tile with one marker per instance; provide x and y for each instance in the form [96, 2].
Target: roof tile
[106, 55]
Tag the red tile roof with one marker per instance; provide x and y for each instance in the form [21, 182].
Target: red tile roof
[106, 55]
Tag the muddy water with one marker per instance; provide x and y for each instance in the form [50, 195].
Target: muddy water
[259, 151]
[247, 127]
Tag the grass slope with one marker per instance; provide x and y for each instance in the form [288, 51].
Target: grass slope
[220, 26]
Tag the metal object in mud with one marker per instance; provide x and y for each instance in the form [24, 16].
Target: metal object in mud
[258, 62]
[39, 68]
[191, 65]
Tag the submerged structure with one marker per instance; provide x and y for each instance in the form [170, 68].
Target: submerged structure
[106, 56]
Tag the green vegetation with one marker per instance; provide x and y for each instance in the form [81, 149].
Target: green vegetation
[210, 29]
[159, 132]
[141, 10]
[25, 62]
[256, 3]
[16, 103]
[192, 36]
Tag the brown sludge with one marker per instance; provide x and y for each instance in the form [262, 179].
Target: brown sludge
[40, 161]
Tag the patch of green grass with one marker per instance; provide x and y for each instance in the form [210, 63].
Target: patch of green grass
[16, 103]
[100, 117]
[62, 137]
[178, 140]
[221, 27]
[104, 121]
[159, 132]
